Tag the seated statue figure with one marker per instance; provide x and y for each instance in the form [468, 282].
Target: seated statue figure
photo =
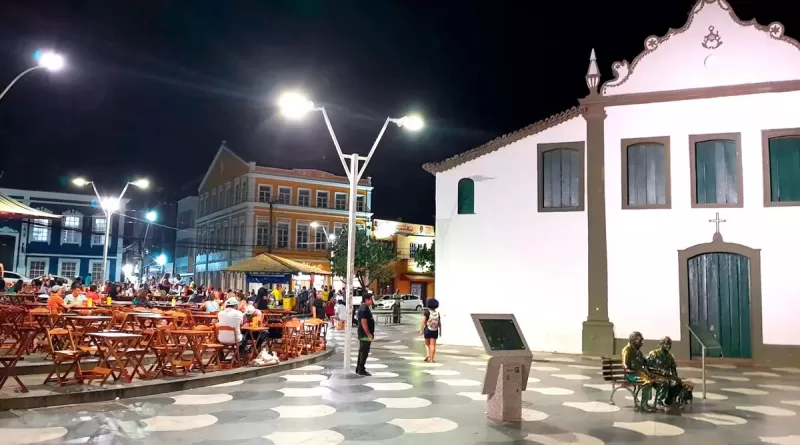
[664, 373]
[636, 368]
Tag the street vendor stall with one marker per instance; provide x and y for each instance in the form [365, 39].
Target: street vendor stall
[272, 270]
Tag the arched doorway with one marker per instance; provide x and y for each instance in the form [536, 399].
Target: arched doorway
[720, 290]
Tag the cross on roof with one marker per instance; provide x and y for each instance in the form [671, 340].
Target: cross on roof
[717, 221]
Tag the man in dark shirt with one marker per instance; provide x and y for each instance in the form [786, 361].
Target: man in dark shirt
[262, 298]
[366, 331]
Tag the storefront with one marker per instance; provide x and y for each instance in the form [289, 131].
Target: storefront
[271, 271]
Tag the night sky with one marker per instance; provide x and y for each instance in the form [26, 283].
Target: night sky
[153, 86]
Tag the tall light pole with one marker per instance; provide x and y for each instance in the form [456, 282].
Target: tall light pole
[295, 106]
[45, 60]
[109, 206]
[151, 217]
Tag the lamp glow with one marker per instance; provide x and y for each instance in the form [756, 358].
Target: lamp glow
[151, 216]
[411, 123]
[110, 204]
[51, 61]
[161, 260]
[332, 237]
[127, 270]
[80, 182]
[314, 224]
[141, 183]
[294, 105]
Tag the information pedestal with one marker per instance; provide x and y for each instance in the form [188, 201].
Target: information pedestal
[509, 365]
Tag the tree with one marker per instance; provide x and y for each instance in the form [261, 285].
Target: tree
[373, 258]
[426, 257]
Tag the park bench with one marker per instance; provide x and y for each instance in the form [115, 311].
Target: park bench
[614, 372]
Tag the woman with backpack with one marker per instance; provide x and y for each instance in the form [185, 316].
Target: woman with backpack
[431, 328]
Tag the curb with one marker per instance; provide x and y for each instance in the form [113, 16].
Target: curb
[22, 401]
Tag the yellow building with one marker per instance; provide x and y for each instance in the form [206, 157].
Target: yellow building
[409, 277]
[245, 210]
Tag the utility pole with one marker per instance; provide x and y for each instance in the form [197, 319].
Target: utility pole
[272, 203]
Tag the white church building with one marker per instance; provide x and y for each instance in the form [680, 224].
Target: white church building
[668, 198]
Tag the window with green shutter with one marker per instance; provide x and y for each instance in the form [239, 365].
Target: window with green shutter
[784, 169]
[645, 173]
[561, 170]
[716, 171]
[466, 196]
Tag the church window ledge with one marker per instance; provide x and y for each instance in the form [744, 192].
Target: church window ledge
[716, 170]
[781, 166]
[646, 177]
[561, 177]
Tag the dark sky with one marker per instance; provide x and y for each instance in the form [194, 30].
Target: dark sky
[153, 86]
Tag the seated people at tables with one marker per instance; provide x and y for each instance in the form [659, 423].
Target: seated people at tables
[93, 295]
[212, 304]
[231, 317]
[662, 367]
[194, 298]
[142, 298]
[46, 285]
[635, 365]
[17, 287]
[75, 297]
[318, 308]
[55, 303]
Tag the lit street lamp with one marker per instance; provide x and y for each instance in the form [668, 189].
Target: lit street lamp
[109, 206]
[151, 217]
[45, 60]
[295, 106]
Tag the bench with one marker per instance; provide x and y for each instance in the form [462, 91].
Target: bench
[614, 372]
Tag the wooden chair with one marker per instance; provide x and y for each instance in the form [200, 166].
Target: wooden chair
[64, 352]
[167, 352]
[8, 361]
[229, 352]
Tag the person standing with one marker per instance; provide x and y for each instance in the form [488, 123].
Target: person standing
[366, 331]
[431, 327]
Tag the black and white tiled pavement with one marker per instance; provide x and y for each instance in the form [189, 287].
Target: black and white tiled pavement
[409, 401]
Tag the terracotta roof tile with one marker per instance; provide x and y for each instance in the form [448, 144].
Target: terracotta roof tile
[502, 141]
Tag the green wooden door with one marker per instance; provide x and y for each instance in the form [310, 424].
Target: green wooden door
[719, 300]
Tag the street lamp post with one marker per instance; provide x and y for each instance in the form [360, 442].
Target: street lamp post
[109, 206]
[151, 217]
[47, 60]
[295, 106]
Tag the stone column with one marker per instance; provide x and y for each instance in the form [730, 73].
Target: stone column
[598, 331]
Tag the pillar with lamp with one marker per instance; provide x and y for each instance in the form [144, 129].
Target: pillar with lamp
[109, 206]
[47, 60]
[295, 106]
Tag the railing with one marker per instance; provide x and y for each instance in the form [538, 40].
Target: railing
[709, 343]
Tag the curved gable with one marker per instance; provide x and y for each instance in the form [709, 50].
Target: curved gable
[713, 48]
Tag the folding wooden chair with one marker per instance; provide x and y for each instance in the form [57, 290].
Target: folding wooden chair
[8, 362]
[135, 355]
[229, 352]
[64, 352]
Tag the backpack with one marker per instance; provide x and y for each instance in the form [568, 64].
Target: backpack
[433, 321]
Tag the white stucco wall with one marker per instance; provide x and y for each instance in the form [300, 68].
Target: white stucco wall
[643, 244]
[507, 257]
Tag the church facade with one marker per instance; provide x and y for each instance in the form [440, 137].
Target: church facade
[667, 199]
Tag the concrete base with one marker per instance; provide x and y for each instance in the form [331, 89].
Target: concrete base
[505, 405]
[598, 338]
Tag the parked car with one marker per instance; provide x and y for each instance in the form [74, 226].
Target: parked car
[407, 302]
[67, 281]
[11, 278]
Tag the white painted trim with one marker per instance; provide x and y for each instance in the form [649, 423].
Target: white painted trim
[100, 262]
[61, 262]
[319, 229]
[278, 196]
[214, 163]
[278, 223]
[364, 200]
[337, 184]
[45, 260]
[33, 224]
[250, 207]
[93, 233]
[65, 229]
[38, 197]
[345, 201]
[307, 225]
[258, 196]
[316, 200]
[309, 197]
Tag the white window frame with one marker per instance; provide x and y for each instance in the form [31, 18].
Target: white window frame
[244, 190]
[288, 224]
[43, 224]
[327, 199]
[229, 195]
[338, 228]
[264, 186]
[31, 259]
[61, 262]
[309, 197]
[288, 201]
[362, 200]
[242, 233]
[101, 236]
[335, 196]
[322, 228]
[97, 278]
[262, 239]
[237, 194]
[307, 226]
[65, 229]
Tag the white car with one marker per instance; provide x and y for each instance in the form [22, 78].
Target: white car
[67, 281]
[407, 302]
[11, 278]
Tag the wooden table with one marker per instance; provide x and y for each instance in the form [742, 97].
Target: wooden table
[115, 344]
[8, 362]
[194, 343]
[205, 319]
[18, 299]
[78, 321]
[149, 319]
[251, 330]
